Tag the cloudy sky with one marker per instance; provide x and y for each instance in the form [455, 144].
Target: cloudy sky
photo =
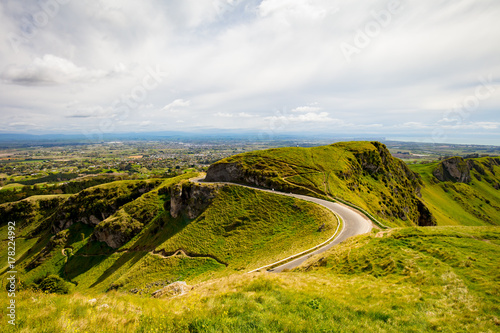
[425, 70]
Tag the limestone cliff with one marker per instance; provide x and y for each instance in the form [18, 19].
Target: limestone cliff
[117, 230]
[191, 199]
[454, 169]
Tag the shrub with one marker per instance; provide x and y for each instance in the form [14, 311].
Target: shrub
[54, 284]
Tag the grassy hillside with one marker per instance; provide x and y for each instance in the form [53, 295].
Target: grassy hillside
[17, 191]
[457, 203]
[407, 280]
[363, 173]
[247, 228]
[110, 246]
[241, 229]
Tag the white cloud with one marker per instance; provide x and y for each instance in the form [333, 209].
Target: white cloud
[312, 116]
[308, 117]
[308, 108]
[50, 70]
[413, 125]
[307, 9]
[485, 125]
[233, 115]
[234, 62]
[176, 105]
[224, 115]
[245, 115]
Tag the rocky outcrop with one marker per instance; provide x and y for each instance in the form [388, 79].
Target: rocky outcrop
[454, 169]
[191, 199]
[381, 162]
[113, 239]
[63, 223]
[94, 205]
[117, 230]
[225, 172]
[174, 289]
[235, 173]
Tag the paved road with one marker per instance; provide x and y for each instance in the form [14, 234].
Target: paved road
[355, 223]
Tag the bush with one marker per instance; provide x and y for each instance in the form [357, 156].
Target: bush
[54, 284]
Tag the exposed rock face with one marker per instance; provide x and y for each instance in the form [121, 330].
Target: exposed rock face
[112, 239]
[454, 169]
[425, 219]
[119, 233]
[94, 205]
[191, 199]
[63, 223]
[234, 173]
[381, 162]
[225, 172]
[174, 289]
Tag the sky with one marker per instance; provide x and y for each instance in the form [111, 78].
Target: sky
[403, 69]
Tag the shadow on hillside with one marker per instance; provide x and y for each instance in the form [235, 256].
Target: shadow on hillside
[159, 231]
[32, 253]
[81, 262]
[153, 235]
[127, 258]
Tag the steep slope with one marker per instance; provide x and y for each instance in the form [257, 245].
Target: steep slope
[462, 191]
[363, 173]
[134, 236]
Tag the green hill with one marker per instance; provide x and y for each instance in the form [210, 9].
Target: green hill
[135, 235]
[367, 175]
[111, 246]
[363, 173]
[468, 192]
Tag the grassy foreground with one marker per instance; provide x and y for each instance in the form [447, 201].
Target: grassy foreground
[407, 280]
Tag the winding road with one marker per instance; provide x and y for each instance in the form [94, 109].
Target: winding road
[354, 223]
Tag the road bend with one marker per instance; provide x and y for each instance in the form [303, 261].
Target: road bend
[354, 223]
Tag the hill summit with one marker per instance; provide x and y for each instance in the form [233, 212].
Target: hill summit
[363, 173]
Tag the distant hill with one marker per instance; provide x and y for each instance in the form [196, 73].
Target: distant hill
[462, 191]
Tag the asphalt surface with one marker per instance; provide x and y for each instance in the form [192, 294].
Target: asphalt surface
[354, 224]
